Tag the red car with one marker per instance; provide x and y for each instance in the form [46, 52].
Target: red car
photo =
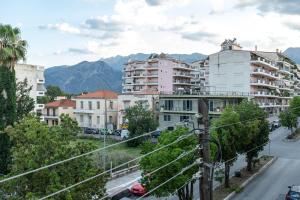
[138, 189]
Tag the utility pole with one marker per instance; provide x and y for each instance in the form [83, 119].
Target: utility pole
[105, 132]
[204, 153]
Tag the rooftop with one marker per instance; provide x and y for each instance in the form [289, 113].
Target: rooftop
[61, 103]
[100, 94]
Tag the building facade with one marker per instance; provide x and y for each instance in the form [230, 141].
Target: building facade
[55, 109]
[148, 101]
[158, 74]
[200, 75]
[270, 77]
[174, 109]
[35, 77]
[97, 109]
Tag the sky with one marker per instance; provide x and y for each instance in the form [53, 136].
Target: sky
[65, 32]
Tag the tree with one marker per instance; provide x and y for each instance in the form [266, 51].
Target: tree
[288, 119]
[25, 104]
[53, 92]
[228, 137]
[12, 49]
[166, 155]
[36, 145]
[254, 130]
[295, 106]
[140, 121]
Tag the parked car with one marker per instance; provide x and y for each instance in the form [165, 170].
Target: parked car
[155, 134]
[124, 134]
[138, 188]
[117, 132]
[90, 131]
[293, 193]
[276, 123]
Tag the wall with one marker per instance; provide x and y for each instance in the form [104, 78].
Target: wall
[165, 75]
[232, 73]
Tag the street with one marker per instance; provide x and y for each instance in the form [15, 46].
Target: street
[270, 185]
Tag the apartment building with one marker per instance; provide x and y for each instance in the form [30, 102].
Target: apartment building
[148, 101]
[97, 109]
[35, 78]
[200, 75]
[158, 74]
[53, 110]
[174, 109]
[271, 77]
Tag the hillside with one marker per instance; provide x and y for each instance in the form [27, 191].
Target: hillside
[294, 53]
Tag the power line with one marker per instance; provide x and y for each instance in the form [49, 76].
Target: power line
[156, 170]
[183, 170]
[74, 157]
[190, 133]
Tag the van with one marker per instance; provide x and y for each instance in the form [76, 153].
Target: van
[124, 134]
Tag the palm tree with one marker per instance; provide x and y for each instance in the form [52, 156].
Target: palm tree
[12, 49]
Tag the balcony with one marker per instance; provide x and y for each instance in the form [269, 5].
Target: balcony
[40, 93]
[182, 74]
[263, 94]
[152, 75]
[152, 83]
[183, 67]
[40, 81]
[177, 110]
[285, 88]
[263, 62]
[267, 104]
[51, 116]
[263, 83]
[263, 72]
[83, 111]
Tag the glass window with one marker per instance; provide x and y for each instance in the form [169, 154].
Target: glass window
[81, 104]
[98, 104]
[98, 119]
[81, 118]
[167, 118]
[90, 105]
[168, 104]
[111, 105]
[184, 118]
[187, 105]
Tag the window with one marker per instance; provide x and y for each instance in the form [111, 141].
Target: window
[126, 104]
[53, 111]
[81, 118]
[111, 104]
[168, 104]
[98, 119]
[90, 105]
[98, 104]
[184, 118]
[48, 112]
[90, 120]
[167, 118]
[187, 105]
[110, 119]
[81, 104]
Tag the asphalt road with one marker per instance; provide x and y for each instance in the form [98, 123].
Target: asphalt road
[273, 183]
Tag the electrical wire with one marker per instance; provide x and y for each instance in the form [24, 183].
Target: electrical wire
[190, 133]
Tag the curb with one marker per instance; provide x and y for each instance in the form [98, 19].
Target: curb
[244, 184]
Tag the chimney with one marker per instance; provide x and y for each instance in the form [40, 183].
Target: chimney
[255, 47]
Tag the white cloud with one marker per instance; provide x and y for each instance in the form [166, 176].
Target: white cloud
[62, 27]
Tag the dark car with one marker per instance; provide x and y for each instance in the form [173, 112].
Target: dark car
[155, 134]
[293, 193]
[117, 132]
[276, 124]
[90, 131]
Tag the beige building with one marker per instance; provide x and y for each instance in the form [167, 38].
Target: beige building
[97, 109]
[35, 78]
[149, 102]
[54, 109]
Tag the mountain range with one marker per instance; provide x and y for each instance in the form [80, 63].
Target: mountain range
[102, 74]
[106, 73]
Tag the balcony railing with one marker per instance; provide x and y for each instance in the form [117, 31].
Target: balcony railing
[264, 62]
[267, 73]
[263, 83]
[263, 93]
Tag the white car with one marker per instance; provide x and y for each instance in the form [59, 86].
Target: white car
[124, 134]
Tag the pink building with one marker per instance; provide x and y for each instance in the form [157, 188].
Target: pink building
[158, 74]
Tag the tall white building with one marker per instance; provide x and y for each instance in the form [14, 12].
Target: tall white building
[35, 77]
[271, 77]
[97, 109]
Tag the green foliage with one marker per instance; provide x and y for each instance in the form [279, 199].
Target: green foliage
[219, 176]
[25, 104]
[140, 121]
[228, 136]
[53, 92]
[166, 155]
[4, 153]
[36, 145]
[295, 106]
[254, 130]
[288, 119]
